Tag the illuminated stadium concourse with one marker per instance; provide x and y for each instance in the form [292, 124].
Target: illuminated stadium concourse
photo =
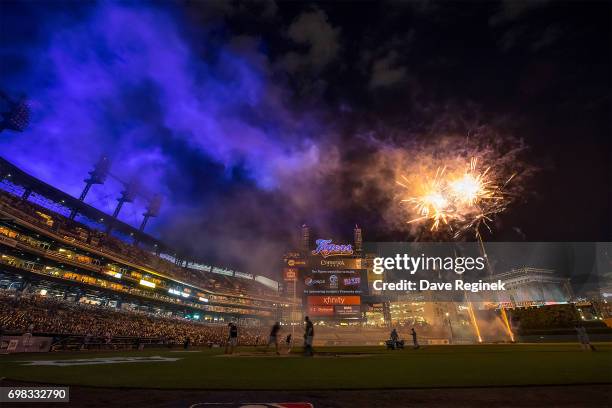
[46, 253]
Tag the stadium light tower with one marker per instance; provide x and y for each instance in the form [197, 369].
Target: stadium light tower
[127, 196]
[96, 176]
[152, 211]
[15, 113]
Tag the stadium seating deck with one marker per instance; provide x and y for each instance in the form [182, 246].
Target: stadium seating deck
[95, 240]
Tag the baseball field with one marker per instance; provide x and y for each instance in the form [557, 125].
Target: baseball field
[331, 368]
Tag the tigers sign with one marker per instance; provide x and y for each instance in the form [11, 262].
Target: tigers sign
[325, 248]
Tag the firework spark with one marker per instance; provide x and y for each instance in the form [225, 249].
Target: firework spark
[461, 195]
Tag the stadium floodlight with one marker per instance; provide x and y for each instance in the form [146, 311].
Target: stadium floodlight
[100, 171]
[152, 210]
[15, 113]
[96, 176]
[127, 196]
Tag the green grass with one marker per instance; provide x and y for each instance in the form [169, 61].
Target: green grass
[432, 366]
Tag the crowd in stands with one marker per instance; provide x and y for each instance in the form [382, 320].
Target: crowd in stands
[111, 245]
[21, 313]
[551, 317]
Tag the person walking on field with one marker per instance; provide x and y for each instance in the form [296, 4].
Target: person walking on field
[288, 343]
[308, 337]
[415, 342]
[274, 337]
[232, 340]
[394, 338]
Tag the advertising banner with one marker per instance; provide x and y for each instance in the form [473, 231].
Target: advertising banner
[335, 282]
[290, 274]
[25, 343]
[317, 262]
[347, 311]
[296, 262]
[334, 300]
[318, 310]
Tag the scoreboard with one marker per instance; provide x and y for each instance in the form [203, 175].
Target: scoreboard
[332, 284]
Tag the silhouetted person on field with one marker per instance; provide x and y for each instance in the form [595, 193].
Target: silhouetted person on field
[394, 338]
[232, 340]
[288, 342]
[274, 336]
[415, 342]
[308, 337]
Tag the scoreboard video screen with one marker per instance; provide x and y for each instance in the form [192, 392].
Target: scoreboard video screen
[332, 288]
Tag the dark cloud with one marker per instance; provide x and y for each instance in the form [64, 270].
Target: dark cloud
[548, 37]
[312, 30]
[511, 10]
[387, 71]
[214, 9]
[511, 37]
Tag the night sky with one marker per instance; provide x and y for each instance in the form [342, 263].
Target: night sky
[251, 118]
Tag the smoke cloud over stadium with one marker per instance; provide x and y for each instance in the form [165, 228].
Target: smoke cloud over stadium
[245, 134]
[183, 118]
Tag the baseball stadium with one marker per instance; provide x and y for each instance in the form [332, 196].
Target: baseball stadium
[220, 204]
[85, 309]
